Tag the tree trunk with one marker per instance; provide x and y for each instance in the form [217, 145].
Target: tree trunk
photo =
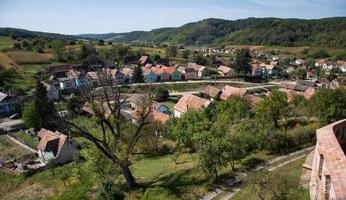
[130, 180]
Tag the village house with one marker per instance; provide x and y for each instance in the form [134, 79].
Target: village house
[143, 60]
[225, 71]
[116, 75]
[187, 73]
[8, 105]
[56, 146]
[188, 102]
[229, 91]
[212, 92]
[200, 70]
[268, 69]
[93, 79]
[128, 74]
[161, 73]
[149, 75]
[341, 65]
[174, 74]
[159, 107]
[256, 70]
[52, 91]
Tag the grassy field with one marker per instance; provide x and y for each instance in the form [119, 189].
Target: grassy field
[31, 141]
[294, 171]
[24, 79]
[5, 42]
[9, 149]
[29, 57]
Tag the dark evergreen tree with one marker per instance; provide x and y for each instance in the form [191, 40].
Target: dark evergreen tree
[243, 62]
[41, 113]
[137, 75]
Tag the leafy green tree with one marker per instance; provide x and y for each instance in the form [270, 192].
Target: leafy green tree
[137, 75]
[75, 105]
[171, 51]
[161, 94]
[213, 156]
[234, 108]
[191, 129]
[85, 51]
[328, 105]
[58, 49]
[156, 57]
[242, 63]
[272, 108]
[101, 42]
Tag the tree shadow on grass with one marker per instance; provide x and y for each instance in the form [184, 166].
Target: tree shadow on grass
[176, 182]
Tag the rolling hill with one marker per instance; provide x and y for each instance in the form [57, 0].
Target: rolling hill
[327, 32]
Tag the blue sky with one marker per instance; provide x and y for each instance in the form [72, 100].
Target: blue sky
[103, 16]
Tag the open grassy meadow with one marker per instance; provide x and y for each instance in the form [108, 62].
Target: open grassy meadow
[5, 43]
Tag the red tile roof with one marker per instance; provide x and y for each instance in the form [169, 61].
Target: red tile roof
[191, 102]
[211, 91]
[47, 136]
[229, 91]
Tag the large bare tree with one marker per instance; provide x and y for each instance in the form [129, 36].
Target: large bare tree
[119, 135]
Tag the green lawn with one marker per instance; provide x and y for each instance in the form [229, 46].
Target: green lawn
[5, 42]
[9, 149]
[294, 171]
[29, 140]
[24, 78]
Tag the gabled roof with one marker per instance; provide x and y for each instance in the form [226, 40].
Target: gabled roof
[309, 93]
[170, 70]
[127, 71]
[189, 70]
[143, 60]
[211, 91]
[48, 136]
[287, 85]
[98, 107]
[305, 82]
[229, 91]
[3, 96]
[196, 66]
[224, 69]
[191, 102]
[160, 117]
[137, 99]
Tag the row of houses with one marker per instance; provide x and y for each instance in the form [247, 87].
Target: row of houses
[328, 65]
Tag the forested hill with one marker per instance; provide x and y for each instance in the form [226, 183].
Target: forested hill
[22, 33]
[328, 32]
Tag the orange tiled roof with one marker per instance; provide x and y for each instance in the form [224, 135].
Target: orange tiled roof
[211, 91]
[191, 102]
[47, 136]
[229, 91]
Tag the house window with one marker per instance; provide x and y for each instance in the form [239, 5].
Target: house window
[320, 166]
